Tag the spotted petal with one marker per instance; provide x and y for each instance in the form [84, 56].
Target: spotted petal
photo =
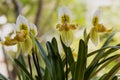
[64, 11]
[21, 23]
[27, 45]
[96, 17]
[98, 13]
[94, 36]
[102, 28]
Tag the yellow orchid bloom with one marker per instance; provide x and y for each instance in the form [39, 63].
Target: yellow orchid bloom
[26, 45]
[9, 39]
[21, 23]
[65, 27]
[21, 28]
[94, 36]
[97, 28]
[21, 31]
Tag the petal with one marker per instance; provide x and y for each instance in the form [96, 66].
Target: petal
[9, 42]
[94, 37]
[109, 30]
[58, 26]
[96, 17]
[73, 26]
[14, 27]
[95, 21]
[98, 13]
[102, 28]
[33, 29]
[13, 32]
[67, 37]
[64, 11]
[26, 45]
[21, 20]
[21, 36]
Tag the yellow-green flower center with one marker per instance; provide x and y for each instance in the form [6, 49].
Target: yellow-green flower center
[23, 27]
[66, 26]
[21, 36]
[95, 20]
[65, 18]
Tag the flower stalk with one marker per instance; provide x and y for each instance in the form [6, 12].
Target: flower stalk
[65, 26]
[67, 64]
[66, 29]
[97, 28]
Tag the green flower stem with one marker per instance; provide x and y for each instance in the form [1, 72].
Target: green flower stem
[67, 64]
[29, 62]
[35, 60]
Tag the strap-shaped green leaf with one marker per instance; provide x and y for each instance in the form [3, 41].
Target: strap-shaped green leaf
[100, 53]
[112, 49]
[21, 60]
[44, 56]
[105, 62]
[23, 68]
[50, 54]
[14, 66]
[115, 78]
[86, 36]
[46, 75]
[68, 51]
[91, 68]
[103, 76]
[57, 68]
[70, 55]
[108, 39]
[81, 61]
[98, 56]
[112, 72]
[42, 53]
[55, 45]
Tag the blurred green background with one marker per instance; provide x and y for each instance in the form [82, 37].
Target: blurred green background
[44, 13]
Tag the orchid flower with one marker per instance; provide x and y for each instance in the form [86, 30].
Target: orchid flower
[22, 28]
[65, 26]
[97, 28]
